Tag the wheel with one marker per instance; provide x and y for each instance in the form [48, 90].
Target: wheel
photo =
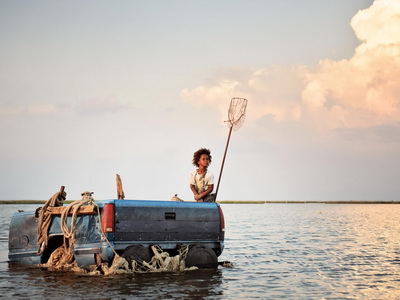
[202, 257]
[138, 253]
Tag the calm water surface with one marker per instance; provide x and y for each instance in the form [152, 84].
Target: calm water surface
[296, 251]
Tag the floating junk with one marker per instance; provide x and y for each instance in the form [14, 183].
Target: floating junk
[160, 262]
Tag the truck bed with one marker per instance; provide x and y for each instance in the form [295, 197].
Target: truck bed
[126, 223]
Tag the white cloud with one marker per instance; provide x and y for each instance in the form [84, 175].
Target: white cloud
[32, 109]
[359, 92]
[378, 24]
[274, 91]
[96, 105]
[7, 110]
[42, 109]
[100, 105]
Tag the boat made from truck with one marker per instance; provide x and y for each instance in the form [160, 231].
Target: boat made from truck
[128, 228]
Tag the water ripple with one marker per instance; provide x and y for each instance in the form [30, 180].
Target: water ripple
[295, 251]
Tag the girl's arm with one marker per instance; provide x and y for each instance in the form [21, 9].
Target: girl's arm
[194, 191]
[205, 193]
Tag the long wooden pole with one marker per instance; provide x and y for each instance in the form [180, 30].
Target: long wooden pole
[223, 162]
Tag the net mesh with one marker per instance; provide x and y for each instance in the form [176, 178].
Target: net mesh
[237, 113]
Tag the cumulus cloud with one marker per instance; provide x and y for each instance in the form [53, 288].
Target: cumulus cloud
[379, 24]
[267, 89]
[359, 92]
[211, 93]
[364, 90]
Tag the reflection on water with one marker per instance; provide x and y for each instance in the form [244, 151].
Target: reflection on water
[317, 250]
[302, 251]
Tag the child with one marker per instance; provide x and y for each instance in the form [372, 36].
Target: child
[201, 180]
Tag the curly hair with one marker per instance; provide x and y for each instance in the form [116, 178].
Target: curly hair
[199, 153]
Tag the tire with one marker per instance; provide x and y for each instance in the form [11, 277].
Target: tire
[202, 257]
[138, 253]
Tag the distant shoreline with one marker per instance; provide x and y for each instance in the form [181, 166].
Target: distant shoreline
[233, 202]
[310, 202]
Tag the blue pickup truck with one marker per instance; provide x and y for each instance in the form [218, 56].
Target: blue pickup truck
[131, 228]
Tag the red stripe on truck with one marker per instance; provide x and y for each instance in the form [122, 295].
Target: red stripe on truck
[107, 218]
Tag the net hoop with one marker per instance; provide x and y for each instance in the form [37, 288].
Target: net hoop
[237, 113]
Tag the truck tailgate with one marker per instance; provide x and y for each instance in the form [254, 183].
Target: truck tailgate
[168, 221]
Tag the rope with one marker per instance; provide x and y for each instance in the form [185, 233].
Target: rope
[45, 218]
[69, 233]
[101, 229]
[162, 262]
[63, 257]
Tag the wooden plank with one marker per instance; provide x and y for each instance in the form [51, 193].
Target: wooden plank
[83, 210]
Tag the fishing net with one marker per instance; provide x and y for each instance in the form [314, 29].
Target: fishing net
[160, 262]
[61, 259]
[237, 113]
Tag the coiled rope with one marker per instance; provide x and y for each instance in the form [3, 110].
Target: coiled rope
[45, 218]
[69, 233]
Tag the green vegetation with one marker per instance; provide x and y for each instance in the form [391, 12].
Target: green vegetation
[22, 202]
[28, 201]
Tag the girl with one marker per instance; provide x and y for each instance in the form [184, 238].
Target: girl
[201, 180]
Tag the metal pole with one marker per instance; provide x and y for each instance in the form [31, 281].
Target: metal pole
[223, 162]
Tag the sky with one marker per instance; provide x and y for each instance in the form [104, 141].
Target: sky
[91, 89]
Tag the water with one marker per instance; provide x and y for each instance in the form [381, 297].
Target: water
[295, 251]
